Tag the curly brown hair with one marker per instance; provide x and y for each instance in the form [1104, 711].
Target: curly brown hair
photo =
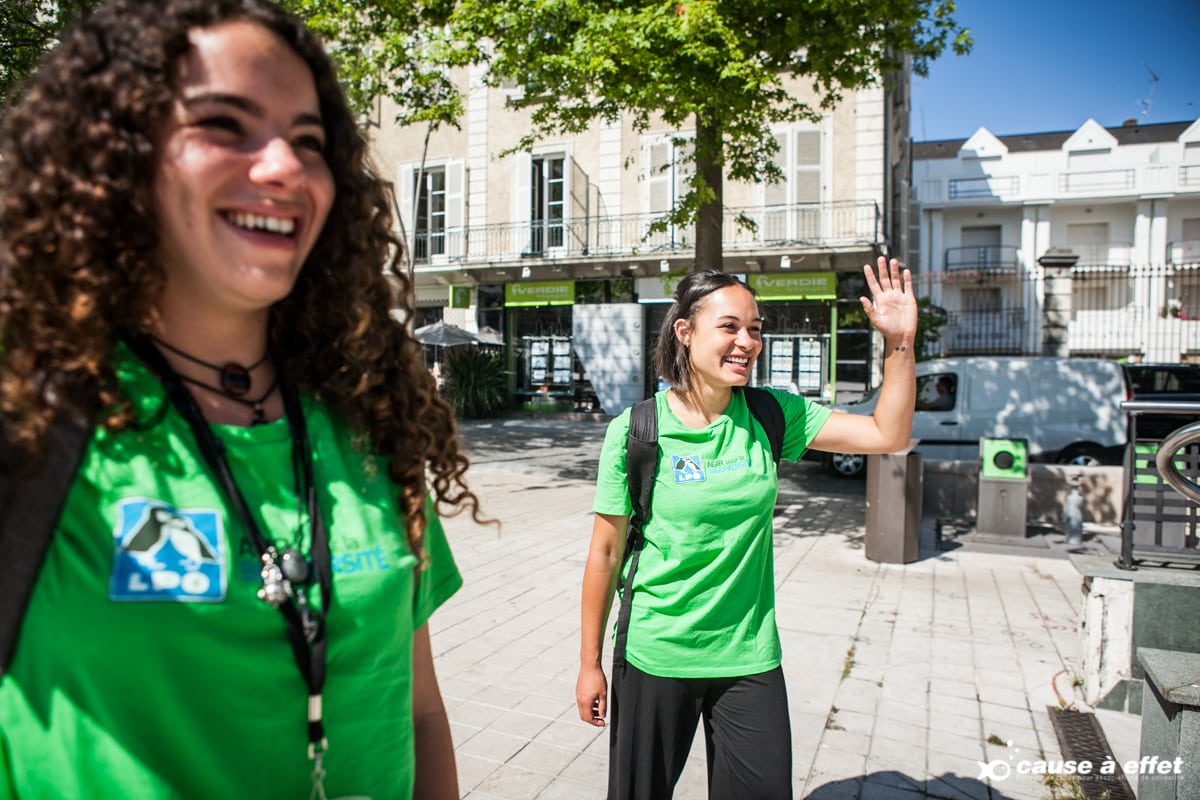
[79, 235]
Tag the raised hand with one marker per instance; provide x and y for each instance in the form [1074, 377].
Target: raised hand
[892, 307]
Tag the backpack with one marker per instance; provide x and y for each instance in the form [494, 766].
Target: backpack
[641, 464]
[29, 509]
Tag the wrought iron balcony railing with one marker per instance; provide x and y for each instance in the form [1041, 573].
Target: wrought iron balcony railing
[983, 257]
[846, 224]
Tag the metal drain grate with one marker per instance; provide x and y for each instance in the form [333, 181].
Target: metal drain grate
[1081, 739]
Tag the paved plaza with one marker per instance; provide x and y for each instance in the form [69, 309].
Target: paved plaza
[902, 679]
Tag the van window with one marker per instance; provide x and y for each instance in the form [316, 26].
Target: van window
[937, 392]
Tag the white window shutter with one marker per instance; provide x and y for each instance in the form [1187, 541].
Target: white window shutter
[404, 195]
[456, 209]
[521, 203]
[776, 194]
[656, 160]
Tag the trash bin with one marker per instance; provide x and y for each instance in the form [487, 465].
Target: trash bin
[1003, 488]
[894, 485]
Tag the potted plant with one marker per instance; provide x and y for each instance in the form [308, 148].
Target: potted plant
[476, 381]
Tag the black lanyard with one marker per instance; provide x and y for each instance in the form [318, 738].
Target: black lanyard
[306, 627]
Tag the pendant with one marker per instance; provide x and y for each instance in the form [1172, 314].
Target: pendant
[235, 379]
[275, 590]
[295, 566]
[310, 619]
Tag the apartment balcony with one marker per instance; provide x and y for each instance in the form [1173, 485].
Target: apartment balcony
[1185, 252]
[825, 226]
[981, 262]
[992, 332]
[1189, 176]
[964, 187]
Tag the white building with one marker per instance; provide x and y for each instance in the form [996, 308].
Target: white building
[1126, 200]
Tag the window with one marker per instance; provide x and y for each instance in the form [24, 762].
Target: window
[791, 207]
[980, 248]
[1090, 241]
[432, 208]
[668, 169]
[547, 183]
[429, 227]
[981, 298]
[799, 159]
[936, 392]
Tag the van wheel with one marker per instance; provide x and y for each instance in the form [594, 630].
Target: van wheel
[847, 465]
[1083, 455]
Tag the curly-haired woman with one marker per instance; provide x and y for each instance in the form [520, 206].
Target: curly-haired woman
[234, 596]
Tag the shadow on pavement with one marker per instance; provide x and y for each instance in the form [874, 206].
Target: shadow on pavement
[892, 785]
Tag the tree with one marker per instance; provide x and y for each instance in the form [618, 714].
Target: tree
[719, 64]
[28, 28]
[395, 49]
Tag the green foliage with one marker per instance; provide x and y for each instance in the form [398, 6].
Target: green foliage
[28, 28]
[720, 63]
[476, 381]
[931, 320]
[393, 48]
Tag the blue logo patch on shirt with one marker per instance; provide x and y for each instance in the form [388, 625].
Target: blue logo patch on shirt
[687, 469]
[165, 553]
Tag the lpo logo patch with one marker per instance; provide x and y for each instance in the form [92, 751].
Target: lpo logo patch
[167, 554]
[687, 469]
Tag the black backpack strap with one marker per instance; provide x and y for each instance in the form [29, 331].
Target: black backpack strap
[765, 408]
[30, 506]
[641, 465]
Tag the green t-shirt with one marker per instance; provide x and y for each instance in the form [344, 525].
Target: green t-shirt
[704, 591]
[148, 668]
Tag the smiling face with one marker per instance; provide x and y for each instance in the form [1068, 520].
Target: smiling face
[723, 337]
[242, 188]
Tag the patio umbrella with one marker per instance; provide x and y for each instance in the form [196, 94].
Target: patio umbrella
[443, 334]
[490, 336]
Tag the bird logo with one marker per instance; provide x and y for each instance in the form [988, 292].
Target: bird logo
[162, 530]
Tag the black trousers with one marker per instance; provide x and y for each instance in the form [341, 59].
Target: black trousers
[653, 721]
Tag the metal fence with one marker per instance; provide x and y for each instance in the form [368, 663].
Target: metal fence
[1160, 520]
[830, 225]
[1134, 312]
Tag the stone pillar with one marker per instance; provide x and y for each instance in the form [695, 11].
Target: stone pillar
[1056, 265]
[1169, 768]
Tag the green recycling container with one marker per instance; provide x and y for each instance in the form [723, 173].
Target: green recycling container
[1005, 459]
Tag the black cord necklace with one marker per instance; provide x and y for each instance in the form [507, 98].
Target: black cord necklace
[234, 377]
[285, 577]
[260, 414]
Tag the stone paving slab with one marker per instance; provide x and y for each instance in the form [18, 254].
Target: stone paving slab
[902, 679]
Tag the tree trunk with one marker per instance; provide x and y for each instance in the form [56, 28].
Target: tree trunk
[710, 214]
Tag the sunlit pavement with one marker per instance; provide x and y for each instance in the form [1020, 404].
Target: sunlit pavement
[905, 681]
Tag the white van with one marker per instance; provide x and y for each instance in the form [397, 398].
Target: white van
[1067, 409]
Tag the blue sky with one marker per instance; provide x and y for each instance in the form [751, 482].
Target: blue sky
[1050, 65]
